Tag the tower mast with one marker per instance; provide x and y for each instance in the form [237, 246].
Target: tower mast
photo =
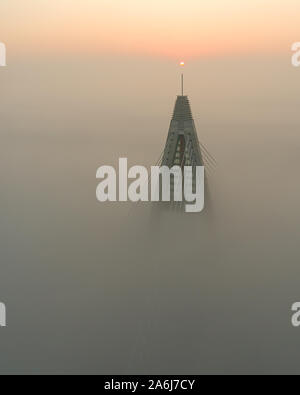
[182, 65]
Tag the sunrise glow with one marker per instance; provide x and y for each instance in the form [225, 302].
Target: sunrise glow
[134, 27]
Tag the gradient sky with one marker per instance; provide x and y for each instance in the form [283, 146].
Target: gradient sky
[170, 28]
[114, 289]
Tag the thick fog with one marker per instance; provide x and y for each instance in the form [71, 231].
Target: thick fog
[123, 288]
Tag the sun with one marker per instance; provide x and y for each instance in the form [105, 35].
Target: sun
[182, 63]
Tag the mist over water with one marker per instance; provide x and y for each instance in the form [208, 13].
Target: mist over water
[116, 288]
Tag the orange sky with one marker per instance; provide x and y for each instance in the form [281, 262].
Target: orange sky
[170, 28]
